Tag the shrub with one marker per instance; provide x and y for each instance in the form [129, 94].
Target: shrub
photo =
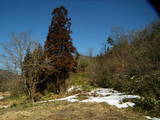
[132, 64]
[149, 105]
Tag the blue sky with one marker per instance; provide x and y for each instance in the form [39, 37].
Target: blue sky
[92, 20]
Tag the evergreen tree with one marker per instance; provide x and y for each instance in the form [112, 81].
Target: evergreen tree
[110, 41]
[58, 46]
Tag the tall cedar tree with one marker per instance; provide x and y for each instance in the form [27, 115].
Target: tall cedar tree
[58, 47]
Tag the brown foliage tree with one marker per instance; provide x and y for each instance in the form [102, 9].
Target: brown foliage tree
[58, 46]
[32, 71]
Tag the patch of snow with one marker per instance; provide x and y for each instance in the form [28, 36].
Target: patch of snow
[69, 98]
[4, 106]
[1, 97]
[111, 100]
[104, 91]
[150, 118]
[51, 100]
[112, 97]
[74, 88]
[108, 95]
[42, 101]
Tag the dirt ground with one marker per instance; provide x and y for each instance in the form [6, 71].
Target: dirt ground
[68, 111]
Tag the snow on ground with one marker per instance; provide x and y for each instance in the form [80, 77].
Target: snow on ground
[3, 106]
[112, 97]
[108, 95]
[1, 97]
[74, 88]
[69, 98]
[111, 100]
[150, 118]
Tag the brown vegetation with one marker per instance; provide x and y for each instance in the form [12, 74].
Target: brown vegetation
[131, 64]
[70, 111]
[6, 79]
[59, 49]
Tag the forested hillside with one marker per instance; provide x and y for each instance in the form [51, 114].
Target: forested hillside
[6, 79]
[132, 64]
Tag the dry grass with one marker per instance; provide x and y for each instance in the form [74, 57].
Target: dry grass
[9, 100]
[5, 94]
[69, 111]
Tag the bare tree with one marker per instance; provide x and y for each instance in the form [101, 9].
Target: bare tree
[12, 57]
[14, 51]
